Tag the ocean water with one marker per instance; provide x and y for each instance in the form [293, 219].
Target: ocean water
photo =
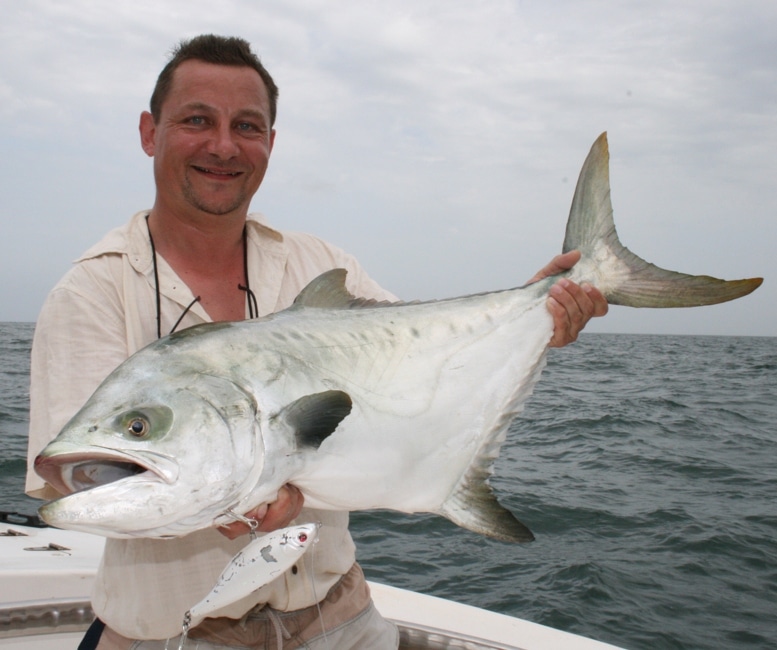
[646, 467]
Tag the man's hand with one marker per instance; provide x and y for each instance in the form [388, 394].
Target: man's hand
[571, 305]
[278, 514]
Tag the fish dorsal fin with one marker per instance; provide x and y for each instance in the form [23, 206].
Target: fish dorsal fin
[326, 291]
[315, 417]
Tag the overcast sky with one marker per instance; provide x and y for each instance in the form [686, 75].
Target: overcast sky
[439, 141]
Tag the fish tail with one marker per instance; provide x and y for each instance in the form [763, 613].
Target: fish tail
[623, 277]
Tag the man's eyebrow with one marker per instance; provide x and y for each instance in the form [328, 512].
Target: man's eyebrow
[197, 106]
[252, 112]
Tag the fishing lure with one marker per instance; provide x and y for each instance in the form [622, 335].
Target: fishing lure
[259, 562]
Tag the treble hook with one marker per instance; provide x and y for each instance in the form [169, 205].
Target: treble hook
[253, 524]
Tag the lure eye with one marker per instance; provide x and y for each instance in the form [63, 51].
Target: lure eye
[138, 427]
[302, 537]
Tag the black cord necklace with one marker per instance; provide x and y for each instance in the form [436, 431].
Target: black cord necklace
[253, 307]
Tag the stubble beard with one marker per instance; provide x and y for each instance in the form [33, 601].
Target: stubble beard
[214, 207]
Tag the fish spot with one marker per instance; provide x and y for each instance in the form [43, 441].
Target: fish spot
[414, 331]
[267, 555]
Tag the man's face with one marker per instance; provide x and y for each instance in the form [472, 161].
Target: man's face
[213, 139]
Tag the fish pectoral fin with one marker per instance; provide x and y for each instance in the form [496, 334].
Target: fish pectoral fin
[475, 507]
[315, 417]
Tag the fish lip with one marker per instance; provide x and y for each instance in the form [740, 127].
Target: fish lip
[60, 469]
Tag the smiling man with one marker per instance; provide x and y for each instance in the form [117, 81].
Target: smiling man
[211, 140]
[198, 256]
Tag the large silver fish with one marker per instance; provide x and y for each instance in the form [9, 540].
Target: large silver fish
[360, 405]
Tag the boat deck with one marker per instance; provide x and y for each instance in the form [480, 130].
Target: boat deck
[47, 575]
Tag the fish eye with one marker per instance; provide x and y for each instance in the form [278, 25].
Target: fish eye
[143, 423]
[138, 427]
[302, 537]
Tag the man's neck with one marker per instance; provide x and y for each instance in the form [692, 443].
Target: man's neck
[208, 255]
[198, 235]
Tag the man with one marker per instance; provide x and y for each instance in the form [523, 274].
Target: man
[198, 256]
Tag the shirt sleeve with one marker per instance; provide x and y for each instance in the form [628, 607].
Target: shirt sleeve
[312, 256]
[79, 339]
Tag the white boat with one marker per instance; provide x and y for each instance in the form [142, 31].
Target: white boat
[46, 576]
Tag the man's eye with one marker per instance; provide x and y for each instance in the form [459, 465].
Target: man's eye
[196, 120]
[246, 126]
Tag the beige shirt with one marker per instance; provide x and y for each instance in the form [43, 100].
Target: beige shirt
[102, 311]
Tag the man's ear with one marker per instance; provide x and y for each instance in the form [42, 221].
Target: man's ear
[147, 129]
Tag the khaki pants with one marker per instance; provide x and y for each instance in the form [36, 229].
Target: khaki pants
[347, 620]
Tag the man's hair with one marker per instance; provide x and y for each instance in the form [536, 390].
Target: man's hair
[220, 50]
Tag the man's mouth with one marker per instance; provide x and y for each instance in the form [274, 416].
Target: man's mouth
[217, 172]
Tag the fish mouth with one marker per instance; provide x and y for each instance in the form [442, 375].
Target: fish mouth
[70, 472]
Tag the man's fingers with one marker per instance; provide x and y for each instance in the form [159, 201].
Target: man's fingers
[558, 264]
[283, 510]
[269, 516]
[572, 306]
